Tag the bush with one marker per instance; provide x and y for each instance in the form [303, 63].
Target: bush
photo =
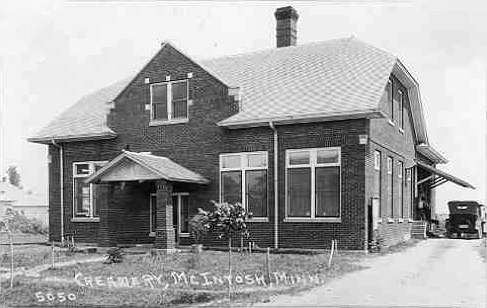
[198, 227]
[18, 222]
[115, 255]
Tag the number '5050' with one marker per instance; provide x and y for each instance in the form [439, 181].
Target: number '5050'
[50, 297]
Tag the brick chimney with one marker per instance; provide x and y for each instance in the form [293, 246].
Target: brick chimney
[286, 26]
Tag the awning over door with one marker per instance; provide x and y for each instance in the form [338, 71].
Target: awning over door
[132, 166]
[439, 177]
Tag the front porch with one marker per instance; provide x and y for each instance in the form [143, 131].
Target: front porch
[147, 200]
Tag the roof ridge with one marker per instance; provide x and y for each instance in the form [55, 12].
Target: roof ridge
[263, 51]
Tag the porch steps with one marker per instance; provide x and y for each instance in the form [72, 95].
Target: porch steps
[418, 229]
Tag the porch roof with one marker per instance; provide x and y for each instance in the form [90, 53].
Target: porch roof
[441, 177]
[132, 166]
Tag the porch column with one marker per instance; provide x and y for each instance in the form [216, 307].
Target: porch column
[165, 236]
[110, 213]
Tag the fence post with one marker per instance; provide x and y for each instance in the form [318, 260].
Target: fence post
[52, 254]
[268, 265]
[331, 252]
[11, 259]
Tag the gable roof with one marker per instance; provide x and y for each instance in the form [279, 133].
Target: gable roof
[158, 167]
[336, 77]
[329, 80]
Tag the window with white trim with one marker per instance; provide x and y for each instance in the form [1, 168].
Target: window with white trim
[400, 171]
[313, 183]
[390, 186]
[390, 104]
[243, 179]
[86, 197]
[169, 100]
[400, 99]
[377, 178]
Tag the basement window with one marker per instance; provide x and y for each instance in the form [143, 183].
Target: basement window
[86, 196]
[169, 102]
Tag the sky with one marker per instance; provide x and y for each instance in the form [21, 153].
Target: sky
[54, 52]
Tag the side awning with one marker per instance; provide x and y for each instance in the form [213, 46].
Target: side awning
[439, 177]
[132, 166]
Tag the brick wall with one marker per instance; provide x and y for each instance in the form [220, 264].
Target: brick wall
[400, 145]
[197, 144]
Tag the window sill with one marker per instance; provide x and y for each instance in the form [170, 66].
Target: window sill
[184, 235]
[400, 220]
[410, 220]
[401, 131]
[390, 122]
[258, 219]
[167, 122]
[152, 234]
[85, 219]
[327, 219]
[390, 220]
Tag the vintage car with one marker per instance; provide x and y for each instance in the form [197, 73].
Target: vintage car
[466, 219]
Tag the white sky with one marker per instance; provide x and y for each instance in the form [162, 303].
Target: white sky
[54, 52]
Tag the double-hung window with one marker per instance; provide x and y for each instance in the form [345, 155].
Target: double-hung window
[313, 183]
[377, 178]
[400, 99]
[390, 103]
[169, 101]
[86, 197]
[243, 179]
[390, 186]
[400, 171]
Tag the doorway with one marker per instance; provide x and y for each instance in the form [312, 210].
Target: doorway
[180, 210]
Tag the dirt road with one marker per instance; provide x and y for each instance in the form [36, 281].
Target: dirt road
[436, 272]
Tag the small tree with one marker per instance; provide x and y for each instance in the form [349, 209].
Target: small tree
[198, 228]
[14, 176]
[227, 220]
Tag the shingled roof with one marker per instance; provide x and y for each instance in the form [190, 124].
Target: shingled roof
[341, 77]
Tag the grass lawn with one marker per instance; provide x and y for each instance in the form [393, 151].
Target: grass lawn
[180, 279]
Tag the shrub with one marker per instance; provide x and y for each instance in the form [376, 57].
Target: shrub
[18, 222]
[198, 227]
[115, 255]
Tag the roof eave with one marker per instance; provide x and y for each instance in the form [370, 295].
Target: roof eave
[431, 153]
[72, 138]
[311, 118]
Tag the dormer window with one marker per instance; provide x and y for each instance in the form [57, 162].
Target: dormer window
[169, 102]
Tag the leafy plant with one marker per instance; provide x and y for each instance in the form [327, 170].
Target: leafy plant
[115, 255]
[198, 227]
[18, 222]
[227, 220]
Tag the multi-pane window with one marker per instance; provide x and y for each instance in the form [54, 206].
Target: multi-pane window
[377, 178]
[313, 182]
[400, 170]
[390, 187]
[400, 99]
[390, 104]
[169, 100]
[243, 180]
[86, 197]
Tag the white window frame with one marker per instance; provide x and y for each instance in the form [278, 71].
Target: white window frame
[390, 103]
[91, 166]
[400, 95]
[170, 120]
[390, 167]
[151, 233]
[179, 195]
[313, 164]
[401, 184]
[377, 159]
[243, 169]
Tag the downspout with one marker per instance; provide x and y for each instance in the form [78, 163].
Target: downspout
[61, 179]
[276, 185]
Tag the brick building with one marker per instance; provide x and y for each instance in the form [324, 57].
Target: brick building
[319, 141]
